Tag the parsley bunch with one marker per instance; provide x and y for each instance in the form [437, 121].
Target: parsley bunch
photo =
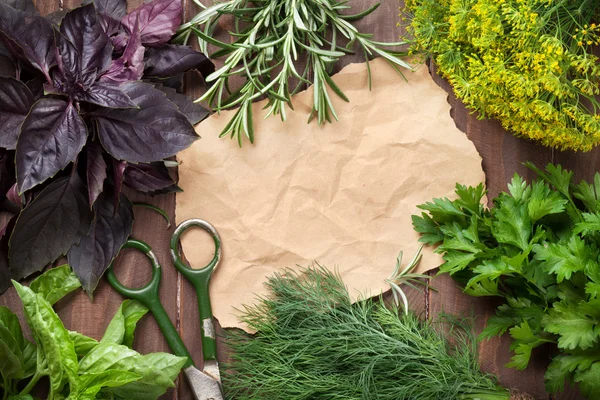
[527, 63]
[539, 249]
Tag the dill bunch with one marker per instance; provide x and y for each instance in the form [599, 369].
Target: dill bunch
[527, 63]
[313, 343]
[272, 38]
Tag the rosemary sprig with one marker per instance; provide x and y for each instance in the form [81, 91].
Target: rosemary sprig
[271, 37]
[405, 276]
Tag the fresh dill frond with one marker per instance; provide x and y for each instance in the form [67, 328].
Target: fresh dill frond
[313, 343]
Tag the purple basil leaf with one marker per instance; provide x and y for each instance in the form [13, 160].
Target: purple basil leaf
[13, 196]
[118, 176]
[15, 103]
[158, 21]
[194, 112]
[7, 66]
[56, 18]
[169, 60]
[47, 228]
[67, 78]
[119, 42]
[80, 27]
[114, 8]
[105, 95]
[29, 37]
[5, 275]
[4, 271]
[51, 137]
[109, 24]
[151, 133]
[109, 231]
[25, 6]
[128, 67]
[96, 171]
[151, 178]
[6, 182]
[36, 87]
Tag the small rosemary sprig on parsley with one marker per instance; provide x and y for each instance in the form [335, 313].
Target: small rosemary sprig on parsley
[406, 276]
[271, 36]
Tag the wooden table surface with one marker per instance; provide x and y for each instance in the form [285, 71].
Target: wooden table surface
[502, 156]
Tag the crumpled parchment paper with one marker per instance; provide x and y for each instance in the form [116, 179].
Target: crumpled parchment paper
[341, 194]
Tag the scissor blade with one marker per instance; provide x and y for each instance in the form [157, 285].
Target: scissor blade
[205, 387]
[211, 368]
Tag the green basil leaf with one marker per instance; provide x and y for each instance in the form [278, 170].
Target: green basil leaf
[10, 363]
[21, 397]
[153, 383]
[55, 347]
[55, 283]
[121, 328]
[108, 356]
[23, 348]
[91, 384]
[11, 322]
[83, 344]
[167, 363]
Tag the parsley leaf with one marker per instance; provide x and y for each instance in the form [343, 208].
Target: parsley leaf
[538, 249]
[576, 324]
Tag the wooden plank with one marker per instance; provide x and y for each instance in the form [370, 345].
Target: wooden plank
[493, 353]
[584, 165]
[502, 153]
[379, 23]
[382, 23]
[46, 7]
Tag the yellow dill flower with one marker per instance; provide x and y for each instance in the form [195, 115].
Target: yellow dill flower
[507, 58]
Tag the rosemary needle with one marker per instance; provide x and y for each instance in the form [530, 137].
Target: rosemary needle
[272, 39]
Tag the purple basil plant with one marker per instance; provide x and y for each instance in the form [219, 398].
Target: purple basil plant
[87, 105]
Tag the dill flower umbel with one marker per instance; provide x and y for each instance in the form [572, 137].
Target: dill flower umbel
[527, 63]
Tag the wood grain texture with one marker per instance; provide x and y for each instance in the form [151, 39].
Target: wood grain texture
[46, 7]
[502, 156]
[447, 297]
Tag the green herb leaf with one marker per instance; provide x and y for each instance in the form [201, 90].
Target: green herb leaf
[589, 194]
[544, 202]
[56, 350]
[513, 224]
[153, 382]
[590, 224]
[524, 342]
[22, 347]
[91, 384]
[10, 363]
[566, 258]
[55, 283]
[121, 327]
[576, 324]
[83, 344]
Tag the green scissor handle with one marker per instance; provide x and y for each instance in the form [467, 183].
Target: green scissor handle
[200, 279]
[148, 296]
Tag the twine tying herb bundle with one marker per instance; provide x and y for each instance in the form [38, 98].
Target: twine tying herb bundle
[270, 37]
[313, 343]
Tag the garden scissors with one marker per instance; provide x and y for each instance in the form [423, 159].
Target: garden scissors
[206, 384]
